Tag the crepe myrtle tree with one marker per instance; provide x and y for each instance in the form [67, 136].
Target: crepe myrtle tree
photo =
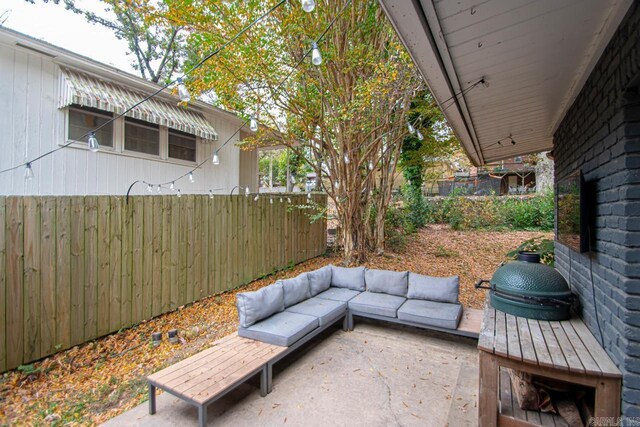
[346, 117]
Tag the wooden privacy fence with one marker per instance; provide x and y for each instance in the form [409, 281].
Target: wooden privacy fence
[76, 268]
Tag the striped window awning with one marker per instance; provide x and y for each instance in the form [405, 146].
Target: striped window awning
[89, 91]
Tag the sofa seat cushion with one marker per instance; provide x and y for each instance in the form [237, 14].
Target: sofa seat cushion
[283, 329]
[375, 303]
[431, 313]
[339, 294]
[327, 311]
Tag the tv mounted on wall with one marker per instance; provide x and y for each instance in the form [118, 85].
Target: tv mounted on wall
[572, 212]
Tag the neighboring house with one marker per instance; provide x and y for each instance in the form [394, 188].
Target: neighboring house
[52, 96]
[559, 75]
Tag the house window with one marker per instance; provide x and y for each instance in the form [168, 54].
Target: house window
[84, 120]
[141, 137]
[182, 146]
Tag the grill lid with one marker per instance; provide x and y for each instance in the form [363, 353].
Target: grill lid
[527, 277]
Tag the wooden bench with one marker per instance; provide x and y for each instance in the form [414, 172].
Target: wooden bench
[210, 374]
[565, 351]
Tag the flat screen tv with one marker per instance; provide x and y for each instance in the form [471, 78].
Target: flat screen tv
[572, 212]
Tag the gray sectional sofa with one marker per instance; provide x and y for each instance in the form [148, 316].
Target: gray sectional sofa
[290, 312]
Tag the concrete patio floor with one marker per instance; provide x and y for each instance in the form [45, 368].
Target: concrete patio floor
[376, 375]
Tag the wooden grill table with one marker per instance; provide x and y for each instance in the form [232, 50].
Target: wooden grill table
[210, 374]
[565, 351]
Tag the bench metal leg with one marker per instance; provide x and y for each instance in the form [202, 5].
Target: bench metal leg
[264, 382]
[202, 416]
[351, 325]
[269, 377]
[152, 399]
[345, 323]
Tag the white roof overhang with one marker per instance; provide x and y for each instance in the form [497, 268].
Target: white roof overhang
[534, 55]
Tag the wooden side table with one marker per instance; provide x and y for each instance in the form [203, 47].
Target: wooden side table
[565, 351]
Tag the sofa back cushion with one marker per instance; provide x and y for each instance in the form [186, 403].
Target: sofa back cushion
[387, 282]
[319, 280]
[350, 278]
[441, 289]
[258, 305]
[295, 289]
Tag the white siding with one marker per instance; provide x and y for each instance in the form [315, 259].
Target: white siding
[30, 124]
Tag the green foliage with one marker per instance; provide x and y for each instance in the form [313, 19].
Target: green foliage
[545, 247]
[493, 212]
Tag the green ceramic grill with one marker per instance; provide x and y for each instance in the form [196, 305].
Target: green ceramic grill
[527, 288]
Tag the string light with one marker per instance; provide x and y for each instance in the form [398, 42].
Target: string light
[346, 158]
[288, 199]
[270, 200]
[308, 5]
[159, 189]
[93, 142]
[179, 193]
[309, 195]
[28, 172]
[316, 57]
[172, 186]
[246, 191]
[211, 194]
[293, 179]
[280, 199]
[183, 92]
[411, 128]
[419, 135]
[149, 188]
[253, 123]
[215, 159]
[191, 178]
[370, 165]
[255, 199]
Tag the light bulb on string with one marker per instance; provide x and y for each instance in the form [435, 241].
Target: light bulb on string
[308, 5]
[246, 191]
[255, 199]
[346, 158]
[293, 179]
[336, 184]
[215, 159]
[159, 189]
[370, 165]
[211, 194]
[149, 188]
[179, 193]
[280, 199]
[183, 92]
[270, 200]
[316, 57]
[288, 199]
[253, 123]
[28, 172]
[93, 142]
[309, 195]
[172, 186]
[411, 129]
[191, 178]
[419, 135]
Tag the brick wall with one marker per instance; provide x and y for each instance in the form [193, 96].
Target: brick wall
[601, 136]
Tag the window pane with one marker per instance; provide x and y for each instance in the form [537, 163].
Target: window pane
[182, 146]
[82, 122]
[142, 139]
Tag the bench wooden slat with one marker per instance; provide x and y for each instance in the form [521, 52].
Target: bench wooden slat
[526, 342]
[470, 321]
[513, 341]
[597, 353]
[500, 343]
[590, 365]
[196, 362]
[217, 362]
[487, 330]
[573, 361]
[539, 344]
[557, 356]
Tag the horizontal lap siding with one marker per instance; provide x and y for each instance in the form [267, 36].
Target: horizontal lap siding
[74, 268]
